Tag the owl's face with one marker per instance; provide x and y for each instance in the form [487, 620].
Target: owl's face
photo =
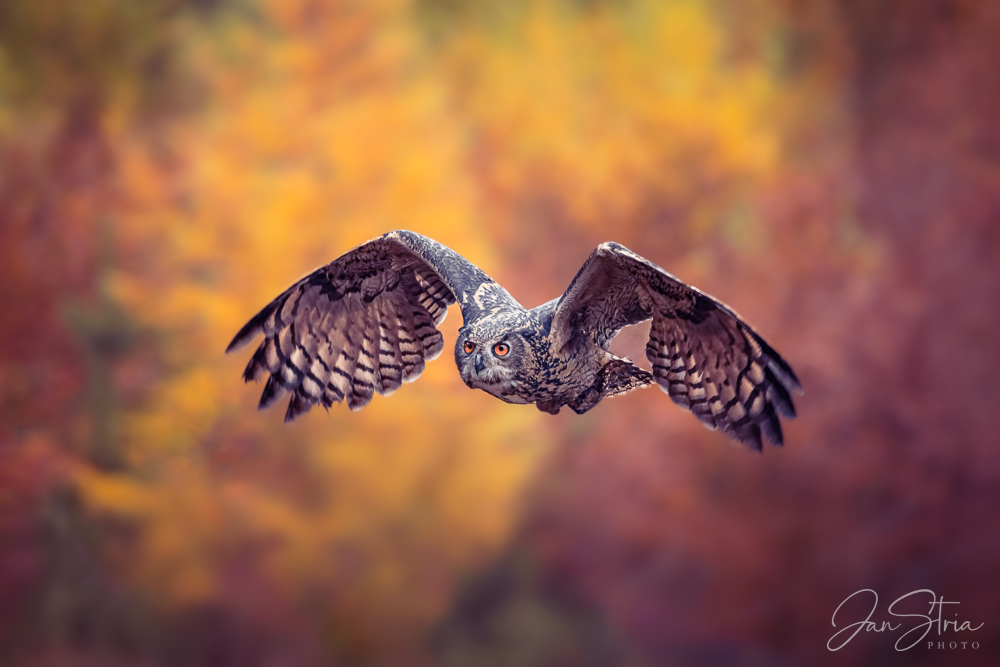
[492, 363]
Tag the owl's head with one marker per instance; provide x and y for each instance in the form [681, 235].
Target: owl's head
[493, 361]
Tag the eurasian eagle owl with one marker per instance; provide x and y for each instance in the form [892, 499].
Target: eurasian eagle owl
[366, 323]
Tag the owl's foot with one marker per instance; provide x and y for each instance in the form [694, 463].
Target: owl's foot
[588, 399]
[619, 376]
[616, 377]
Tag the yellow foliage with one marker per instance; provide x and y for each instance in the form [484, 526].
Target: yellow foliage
[273, 181]
[640, 94]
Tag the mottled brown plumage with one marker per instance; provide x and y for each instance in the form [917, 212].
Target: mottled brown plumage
[366, 323]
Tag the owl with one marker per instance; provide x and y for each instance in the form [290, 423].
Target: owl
[367, 322]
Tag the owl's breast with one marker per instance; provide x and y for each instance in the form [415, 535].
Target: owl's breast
[560, 379]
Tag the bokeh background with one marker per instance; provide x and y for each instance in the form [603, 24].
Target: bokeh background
[829, 167]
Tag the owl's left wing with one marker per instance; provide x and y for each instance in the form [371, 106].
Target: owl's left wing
[364, 323]
[703, 355]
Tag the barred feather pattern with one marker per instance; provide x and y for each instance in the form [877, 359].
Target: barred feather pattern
[703, 355]
[367, 322]
[327, 342]
[723, 372]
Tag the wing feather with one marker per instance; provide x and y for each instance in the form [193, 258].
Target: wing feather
[361, 325]
[390, 355]
[707, 359]
[410, 349]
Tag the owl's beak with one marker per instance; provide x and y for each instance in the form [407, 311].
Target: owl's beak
[479, 363]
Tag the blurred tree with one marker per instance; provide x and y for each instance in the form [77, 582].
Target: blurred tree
[68, 73]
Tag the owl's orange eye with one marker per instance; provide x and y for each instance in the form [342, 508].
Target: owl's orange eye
[470, 347]
[501, 349]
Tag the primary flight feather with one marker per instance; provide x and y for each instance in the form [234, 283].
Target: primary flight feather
[367, 322]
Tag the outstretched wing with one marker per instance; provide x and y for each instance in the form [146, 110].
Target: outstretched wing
[364, 323]
[703, 355]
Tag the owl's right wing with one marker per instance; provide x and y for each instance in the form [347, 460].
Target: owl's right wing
[365, 323]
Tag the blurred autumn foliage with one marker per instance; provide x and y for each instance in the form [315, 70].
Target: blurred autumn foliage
[830, 168]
